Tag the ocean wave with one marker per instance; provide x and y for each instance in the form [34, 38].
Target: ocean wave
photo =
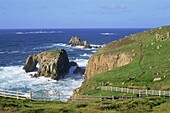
[93, 51]
[2, 52]
[86, 55]
[9, 52]
[49, 46]
[81, 62]
[39, 32]
[15, 78]
[108, 33]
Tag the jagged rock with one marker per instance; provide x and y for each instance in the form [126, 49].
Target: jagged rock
[86, 44]
[79, 70]
[75, 41]
[30, 64]
[72, 64]
[54, 64]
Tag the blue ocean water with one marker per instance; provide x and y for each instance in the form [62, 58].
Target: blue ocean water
[17, 44]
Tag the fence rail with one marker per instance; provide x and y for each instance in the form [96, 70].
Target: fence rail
[58, 97]
[65, 98]
[15, 94]
[137, 91]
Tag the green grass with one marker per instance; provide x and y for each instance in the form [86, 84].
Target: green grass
[155, 64]
[8, 105]
[55, 52]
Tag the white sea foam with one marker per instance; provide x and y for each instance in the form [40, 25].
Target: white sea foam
[96, 45]
[93, 51]
[13, 52]
[2, 52]
[108, 33]
[81, 62]
[87, 55]
[39, 32]
[15, 78]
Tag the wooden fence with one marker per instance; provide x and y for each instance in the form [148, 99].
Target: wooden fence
[15, 94]
[58, 97]
[32, 96]
[65, 98]
[137, 91]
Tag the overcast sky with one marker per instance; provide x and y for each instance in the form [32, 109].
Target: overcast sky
[84, 13]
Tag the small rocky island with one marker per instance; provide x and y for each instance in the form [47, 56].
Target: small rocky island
[53, 63]
[75, 41]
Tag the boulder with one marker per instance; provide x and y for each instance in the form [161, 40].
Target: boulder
[79, 70]
[53, 63]
[72, 64]
[75, 41]
[86, 44]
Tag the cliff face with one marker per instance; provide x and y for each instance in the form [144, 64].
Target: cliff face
[54, 64]
[104, 62]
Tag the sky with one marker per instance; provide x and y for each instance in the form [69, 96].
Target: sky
[18, 14]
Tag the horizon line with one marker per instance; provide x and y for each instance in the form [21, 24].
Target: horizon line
[82, 28]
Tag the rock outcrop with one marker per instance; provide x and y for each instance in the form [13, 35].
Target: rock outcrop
[104, 62]
[54, 64]
[75, 41]
[79, 70]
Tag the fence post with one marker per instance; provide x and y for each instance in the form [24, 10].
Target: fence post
[164, 93]
[127, 90]
[159, 93]
[116, 89]
[113, 97]
[17, 95]
[139, 93]
[121, 89]
[59, 96]
[152, 92]
[146, 92]
[133, 91]
[5, 93]
[31, 95]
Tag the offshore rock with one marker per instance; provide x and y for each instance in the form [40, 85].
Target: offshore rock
[79, 70]
[75, 41]
[53, 63]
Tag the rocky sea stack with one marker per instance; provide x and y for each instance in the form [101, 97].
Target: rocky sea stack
[53, 63]
[75, 41]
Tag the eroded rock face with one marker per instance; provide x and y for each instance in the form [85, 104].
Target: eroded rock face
[75, 41]
[54, 64]
[104, 62]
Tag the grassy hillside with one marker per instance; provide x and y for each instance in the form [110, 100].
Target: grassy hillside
[152, 60]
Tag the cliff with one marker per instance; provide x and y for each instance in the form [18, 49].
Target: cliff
[138, 61]
[53, 63]
[104, 62]
[108, 59]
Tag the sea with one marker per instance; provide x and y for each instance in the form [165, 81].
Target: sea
[17, 44]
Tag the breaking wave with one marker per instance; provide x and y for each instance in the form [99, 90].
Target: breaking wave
[39, 32]
[108, 34]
